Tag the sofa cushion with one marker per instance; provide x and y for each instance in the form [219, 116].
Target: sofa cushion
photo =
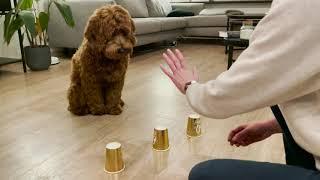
[158, 8]
[207, 21]
[193, 7]
[223, 10]
[171, 23]
[136, 8]
[180, 13]
[60, 34]
[146, 25]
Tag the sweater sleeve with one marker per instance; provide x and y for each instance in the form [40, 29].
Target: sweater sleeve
[281, 63]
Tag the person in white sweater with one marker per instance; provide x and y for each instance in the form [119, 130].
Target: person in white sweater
[280, 68]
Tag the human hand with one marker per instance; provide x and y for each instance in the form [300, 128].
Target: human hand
[245, 135]
[180, 75]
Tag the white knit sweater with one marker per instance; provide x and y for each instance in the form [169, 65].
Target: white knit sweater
[281, 66]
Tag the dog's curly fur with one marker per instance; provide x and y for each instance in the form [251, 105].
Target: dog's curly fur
[99, 66]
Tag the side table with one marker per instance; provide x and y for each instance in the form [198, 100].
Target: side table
[231, 43]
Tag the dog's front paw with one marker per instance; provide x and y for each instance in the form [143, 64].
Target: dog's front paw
[98, 110]
[79, 111]
[116, 110]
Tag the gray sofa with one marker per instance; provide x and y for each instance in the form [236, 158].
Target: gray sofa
[208, 20]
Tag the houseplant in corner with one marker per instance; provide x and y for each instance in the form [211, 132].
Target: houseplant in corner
[34, 23]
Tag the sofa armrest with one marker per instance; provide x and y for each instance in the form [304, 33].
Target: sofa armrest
[193, 7]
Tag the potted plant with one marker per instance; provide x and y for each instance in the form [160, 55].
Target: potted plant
[28, 15]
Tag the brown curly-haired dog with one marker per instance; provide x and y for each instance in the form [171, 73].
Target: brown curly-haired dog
[99, 66]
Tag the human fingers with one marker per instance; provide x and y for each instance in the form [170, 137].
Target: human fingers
[169, 62]
[174, 58]
[240, 137]
[169, 74]
[181, 58]
[235, 131]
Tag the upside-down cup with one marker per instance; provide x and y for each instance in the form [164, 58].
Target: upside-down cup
[194, 126]
[160, 139]
[114, 162]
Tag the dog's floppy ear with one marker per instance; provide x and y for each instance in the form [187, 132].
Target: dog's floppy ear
[133, 27]
[100, 27]
[91, 29]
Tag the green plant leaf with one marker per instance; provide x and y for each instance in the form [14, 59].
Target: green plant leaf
[29, 21]
[65, 11]
[44, 20]
[25, 4]
[13, 27]
[6, 24]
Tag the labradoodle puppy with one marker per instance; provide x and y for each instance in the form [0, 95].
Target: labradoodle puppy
[99, 66]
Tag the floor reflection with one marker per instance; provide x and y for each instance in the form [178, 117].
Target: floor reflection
[160, 161]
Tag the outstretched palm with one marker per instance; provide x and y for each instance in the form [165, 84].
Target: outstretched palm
[178, 73]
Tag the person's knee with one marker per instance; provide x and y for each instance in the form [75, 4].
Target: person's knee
[198, 171]
[210, 169]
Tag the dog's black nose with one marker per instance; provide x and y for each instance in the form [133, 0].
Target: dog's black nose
[123, 50]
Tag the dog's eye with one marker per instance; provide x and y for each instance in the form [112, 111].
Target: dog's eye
[124, 32]
[115, 33]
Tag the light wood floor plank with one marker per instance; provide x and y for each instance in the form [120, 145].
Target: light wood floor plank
[40, 139]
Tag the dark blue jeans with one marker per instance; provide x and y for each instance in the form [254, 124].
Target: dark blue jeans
[300, 164]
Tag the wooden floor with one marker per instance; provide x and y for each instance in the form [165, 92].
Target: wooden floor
[40, 139]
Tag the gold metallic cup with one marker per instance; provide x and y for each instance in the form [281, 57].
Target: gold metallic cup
[160, 139]
[194, 126]
[114, 162]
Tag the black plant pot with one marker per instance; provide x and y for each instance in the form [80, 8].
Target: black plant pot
[38, 58]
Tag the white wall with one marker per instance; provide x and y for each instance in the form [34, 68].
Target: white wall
[13, 49]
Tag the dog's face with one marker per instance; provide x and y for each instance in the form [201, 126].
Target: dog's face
[110, 31]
